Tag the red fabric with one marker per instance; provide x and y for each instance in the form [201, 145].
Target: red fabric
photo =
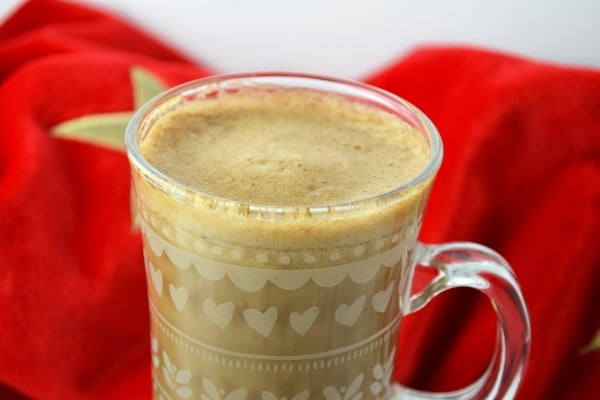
[521, 174]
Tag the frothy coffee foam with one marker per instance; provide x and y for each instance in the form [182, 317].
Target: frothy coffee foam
[286, 148]
[294, 147]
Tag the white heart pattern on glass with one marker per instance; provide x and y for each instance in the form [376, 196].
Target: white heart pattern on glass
[262, 322]
[220, 314]
[347, 315]
[301, 323]
[156, 277]
[381, 299]
[179, 296]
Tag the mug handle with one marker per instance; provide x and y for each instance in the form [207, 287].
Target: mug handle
[471, 265]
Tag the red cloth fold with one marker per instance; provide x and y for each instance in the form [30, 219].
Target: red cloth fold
[521, 174]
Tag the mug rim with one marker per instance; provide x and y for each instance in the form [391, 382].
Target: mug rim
[345, 87]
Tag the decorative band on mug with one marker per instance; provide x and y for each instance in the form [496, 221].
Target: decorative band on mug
[361, 270]
[281, 363]
[161, 236]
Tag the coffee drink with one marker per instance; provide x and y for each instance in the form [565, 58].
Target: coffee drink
[276, 259]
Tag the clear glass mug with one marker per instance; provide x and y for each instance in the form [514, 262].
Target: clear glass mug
[240, 311]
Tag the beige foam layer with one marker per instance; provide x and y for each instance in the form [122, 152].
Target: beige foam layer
[214, 147]
[190, 216]
[288, 147]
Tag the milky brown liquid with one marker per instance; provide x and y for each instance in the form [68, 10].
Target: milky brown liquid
[296, 303]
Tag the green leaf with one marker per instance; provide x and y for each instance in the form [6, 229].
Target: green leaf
[106, 130]
[146, 85]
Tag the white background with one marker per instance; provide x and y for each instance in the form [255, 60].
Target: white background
[354, 38]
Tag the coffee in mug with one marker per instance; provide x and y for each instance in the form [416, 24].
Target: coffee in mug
[280, 216]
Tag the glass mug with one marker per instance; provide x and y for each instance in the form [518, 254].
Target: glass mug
[240, 310]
